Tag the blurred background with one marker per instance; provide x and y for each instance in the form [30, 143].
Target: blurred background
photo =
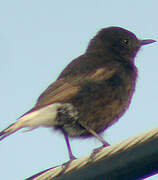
[37, 40]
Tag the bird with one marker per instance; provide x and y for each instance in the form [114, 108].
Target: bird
[92, 92]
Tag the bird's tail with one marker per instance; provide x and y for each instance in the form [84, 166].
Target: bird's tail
[9, 130]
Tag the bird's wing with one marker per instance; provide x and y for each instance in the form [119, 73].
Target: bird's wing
[59, 91]
[65, 88]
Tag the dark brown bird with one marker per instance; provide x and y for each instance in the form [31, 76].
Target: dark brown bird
[92, 92]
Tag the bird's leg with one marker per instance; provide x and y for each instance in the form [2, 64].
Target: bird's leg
[71, 156]
[95, 151]
[95, 134]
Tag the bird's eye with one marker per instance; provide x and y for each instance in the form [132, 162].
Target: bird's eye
[125, 41]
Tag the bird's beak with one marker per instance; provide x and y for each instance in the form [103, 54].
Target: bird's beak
[146, 41]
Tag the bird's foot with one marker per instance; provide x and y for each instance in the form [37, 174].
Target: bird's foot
[97, 150]
[66, 164]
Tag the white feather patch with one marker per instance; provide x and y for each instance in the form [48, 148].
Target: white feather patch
[43, 117]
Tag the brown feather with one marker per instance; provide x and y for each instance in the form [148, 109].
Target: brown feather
[65, 88]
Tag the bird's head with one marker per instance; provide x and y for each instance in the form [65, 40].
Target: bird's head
[118, 41]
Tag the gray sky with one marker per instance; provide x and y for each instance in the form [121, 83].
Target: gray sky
[37, 40]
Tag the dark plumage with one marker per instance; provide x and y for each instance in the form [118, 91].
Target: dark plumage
[92, 92]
